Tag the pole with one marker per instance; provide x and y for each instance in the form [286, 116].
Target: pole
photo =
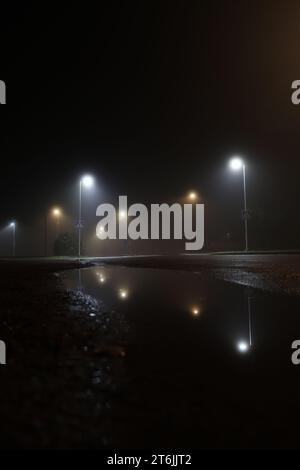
[79, 220]
[245, 208]
[57, 226]
[14, 240]
[46, 235]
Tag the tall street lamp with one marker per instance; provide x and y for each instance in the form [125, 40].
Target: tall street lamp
[13, 227]
[86, 181]
[237, 164]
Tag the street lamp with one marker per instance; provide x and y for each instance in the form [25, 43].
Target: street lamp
[12, 225]
[56, 212]
[123, 294]
[192, 196]
[236, 164]
[243, 346]
[86, 181]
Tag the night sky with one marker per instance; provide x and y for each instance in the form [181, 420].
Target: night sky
[153, 97]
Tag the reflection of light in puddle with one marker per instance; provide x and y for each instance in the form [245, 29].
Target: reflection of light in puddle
[101, 277]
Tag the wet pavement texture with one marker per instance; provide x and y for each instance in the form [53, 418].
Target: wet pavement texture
[201, 363]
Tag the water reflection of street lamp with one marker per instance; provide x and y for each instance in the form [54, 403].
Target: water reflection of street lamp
[12, 225]
[237, 164]
[86, 181]
[249, 320]
[244, 346]
[101, 277]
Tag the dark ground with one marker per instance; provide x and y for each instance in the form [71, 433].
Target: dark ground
[64, 369]
[272, 272]
[56, 357]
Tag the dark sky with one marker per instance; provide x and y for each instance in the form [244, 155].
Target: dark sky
[152, 97]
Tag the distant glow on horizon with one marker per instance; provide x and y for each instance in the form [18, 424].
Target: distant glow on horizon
[87, 181]
[243, 346]
[236, 163]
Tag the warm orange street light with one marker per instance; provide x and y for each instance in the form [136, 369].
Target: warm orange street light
[57, 213]
[192, 196]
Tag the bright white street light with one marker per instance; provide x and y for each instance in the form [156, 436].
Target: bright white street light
[12, 225]
[87, 181]
[242, 346]
[236, 163]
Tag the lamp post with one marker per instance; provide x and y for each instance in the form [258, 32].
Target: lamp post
[86, 181]
[13, 227]
[56, 212]
[237, 164]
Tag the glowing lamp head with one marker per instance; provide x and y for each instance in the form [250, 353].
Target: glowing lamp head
[56, 212]
[195, 311]
[122, 215]
[123, 294]
[236, 163]
[243, 346]
[87, 181]
[192, 196]
[12, 224]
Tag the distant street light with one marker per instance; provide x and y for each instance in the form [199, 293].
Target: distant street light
[123, 293]
[86, 181]
[237, 164]
[192, 196]
[57, 213]
[243, 346]
[196, 311]
[12, 225]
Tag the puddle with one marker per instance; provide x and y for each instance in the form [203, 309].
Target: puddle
[206, 363]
